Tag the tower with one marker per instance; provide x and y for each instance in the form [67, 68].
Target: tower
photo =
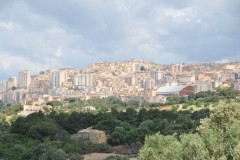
[24, 79]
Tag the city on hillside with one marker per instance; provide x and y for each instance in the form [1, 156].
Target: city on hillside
[129, 80]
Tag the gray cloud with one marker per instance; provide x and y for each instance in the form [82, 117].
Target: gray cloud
[43, 34]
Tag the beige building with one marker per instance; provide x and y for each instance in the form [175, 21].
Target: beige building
[177, 68]
[58, 78]
[92, 135]
[83, 80]
[24, 79]
[203, 86]
[28, 109]
[88, 108]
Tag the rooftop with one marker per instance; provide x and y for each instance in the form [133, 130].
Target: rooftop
[90, 130]
[170, 89]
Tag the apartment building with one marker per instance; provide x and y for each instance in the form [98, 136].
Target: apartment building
[203, 86]
[24, 79]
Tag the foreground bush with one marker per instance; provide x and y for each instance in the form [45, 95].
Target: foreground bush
[218, 137]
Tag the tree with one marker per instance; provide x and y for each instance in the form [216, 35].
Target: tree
[193, 147]
[176, 99]
[130, 115]
[132, 103]
[48, 151]
[142, 68]
[218, 137]
[228, 92]
[14, 88]
[36, 126]
[54, 104]
[72, 100]
[117, 137]
[107, 124]
[141, 115]
[161, 147]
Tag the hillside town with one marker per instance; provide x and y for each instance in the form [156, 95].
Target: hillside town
[129, 80]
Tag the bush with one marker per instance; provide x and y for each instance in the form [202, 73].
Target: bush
[88, 147]
[184, 106]
[75, 157]
[175, 108]
[36, 126]
[117, 158]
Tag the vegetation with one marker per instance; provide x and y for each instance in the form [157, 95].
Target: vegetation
[179, 136]
[11, 110]
[217, 138]
[228, 92]
[54, 104]
[40, 136]
[199, 100]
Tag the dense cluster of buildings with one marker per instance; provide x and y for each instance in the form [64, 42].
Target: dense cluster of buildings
[134, 79]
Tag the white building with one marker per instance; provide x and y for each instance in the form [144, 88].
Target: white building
[24, 79]
[55, 80]
[58, 78]
[203, 86]
[83, 80]
[185, 78]
[88, 108]
[156, 76]
[28, 109]
[170, 90]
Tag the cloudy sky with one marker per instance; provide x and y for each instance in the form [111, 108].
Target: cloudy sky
[42, 34]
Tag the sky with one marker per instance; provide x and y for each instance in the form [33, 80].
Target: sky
[42, 34]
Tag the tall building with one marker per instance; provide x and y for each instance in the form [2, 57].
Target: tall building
[83, 80]
[55, 80]
[156, 76]
[149, 84]
[89, 80]
[79, 81]
[24, 79]
[58, 78]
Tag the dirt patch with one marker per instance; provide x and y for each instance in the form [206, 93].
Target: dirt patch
[166, 108]
[98, 156]
[122, 150]
[8, 118]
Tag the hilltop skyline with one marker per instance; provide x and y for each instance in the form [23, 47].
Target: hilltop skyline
[36, 72]
[111, 62]
[38, 35]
